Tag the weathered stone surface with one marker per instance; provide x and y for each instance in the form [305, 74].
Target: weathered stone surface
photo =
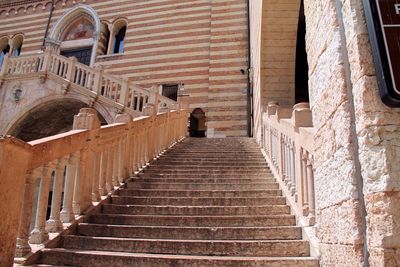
[338, 255]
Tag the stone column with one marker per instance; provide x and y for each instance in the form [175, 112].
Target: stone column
[54, 223]
[39, 233]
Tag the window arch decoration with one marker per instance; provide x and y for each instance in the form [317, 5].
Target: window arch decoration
[117, 36]
[82, 16]
[16, 44]
[104, 38]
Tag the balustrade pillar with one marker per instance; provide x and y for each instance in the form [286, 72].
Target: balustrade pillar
[39, 233]
[103, 173]
[110, 157]
[96, 176]
[66, 214]
[23, 247]
[304, 181]
[71, 69]
[115, 159]
[54, 223]
[311, 192]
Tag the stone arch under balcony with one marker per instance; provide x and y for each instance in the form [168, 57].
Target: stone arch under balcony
[48, 117]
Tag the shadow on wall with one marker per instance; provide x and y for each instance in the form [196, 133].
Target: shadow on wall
[197, 127]
[52, 118]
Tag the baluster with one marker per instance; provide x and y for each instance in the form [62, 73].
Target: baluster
[39, 233]
[304, 181]
[54, 223]
[110, 159]
[66, 214]
[96, 176]
[103, 173]
[98, 80]
[115, 163]
[311, 191]
[71, 69]
[23, 247]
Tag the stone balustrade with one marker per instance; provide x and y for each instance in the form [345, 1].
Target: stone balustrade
[118, 92]
[288, 144]
[78, 167]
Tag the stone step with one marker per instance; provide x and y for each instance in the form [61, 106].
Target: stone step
[200, 175]
[187, 165]
[195, 221]
[207, 171]
[173, 179]
[200, 193]
[195, 210]
[266, 248]
[87, 258]
[202, 186]
[192, 233]
[197, 201]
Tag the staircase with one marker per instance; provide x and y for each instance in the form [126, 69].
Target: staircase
[206, 202]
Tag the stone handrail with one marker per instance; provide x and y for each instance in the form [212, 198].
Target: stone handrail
[105, 87]
[86, 164]
[288, 144]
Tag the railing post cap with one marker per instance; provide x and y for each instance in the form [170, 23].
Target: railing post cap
[273, 103]
[301, 106]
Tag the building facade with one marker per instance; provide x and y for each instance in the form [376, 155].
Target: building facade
[198, 46]
[300, 51]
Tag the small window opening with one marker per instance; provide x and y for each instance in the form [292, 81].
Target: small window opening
[119, 41]
[170, 91]
[4, 52]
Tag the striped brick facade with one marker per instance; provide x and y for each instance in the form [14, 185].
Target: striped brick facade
[201, 43]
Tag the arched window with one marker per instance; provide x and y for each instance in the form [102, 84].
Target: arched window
[119, 41]
[17, 45]
[104, 39]
[4, 49]
[77, 40]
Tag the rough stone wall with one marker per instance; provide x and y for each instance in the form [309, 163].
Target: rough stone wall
[357, 148]
[339, 214]
[378, 131]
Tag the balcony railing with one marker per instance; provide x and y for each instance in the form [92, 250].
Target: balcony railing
[80, 167]
[288, 144]
[121, 93]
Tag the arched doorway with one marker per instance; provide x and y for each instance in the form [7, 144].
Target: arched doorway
[197, 127]
[76, 34]
[283, 57]
[51, 118]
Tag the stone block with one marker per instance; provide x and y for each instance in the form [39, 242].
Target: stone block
[338, 255]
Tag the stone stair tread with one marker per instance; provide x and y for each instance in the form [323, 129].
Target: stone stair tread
[213, 241]
[206, 259]
[190, 247]
[192, 233]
